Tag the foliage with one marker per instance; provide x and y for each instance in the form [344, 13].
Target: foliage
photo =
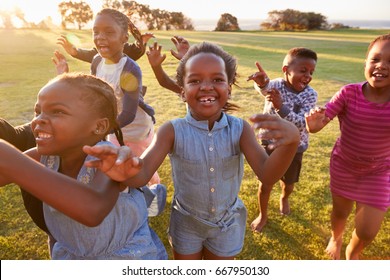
[227, 22]
[77, 13]
[154, 19]
[299, 236]
[289, 20]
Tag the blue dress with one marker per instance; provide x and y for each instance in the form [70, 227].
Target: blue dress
[123, 234]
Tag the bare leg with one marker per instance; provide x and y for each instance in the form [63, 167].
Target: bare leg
[368, 221]
[263, 195]
[204, 254]
[210, 256]
[342, 207]
[196, 256]
[284, 204]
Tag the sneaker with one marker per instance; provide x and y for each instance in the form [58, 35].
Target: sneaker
[155, 197]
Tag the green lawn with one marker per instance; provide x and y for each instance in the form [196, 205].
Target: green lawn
[25, 59]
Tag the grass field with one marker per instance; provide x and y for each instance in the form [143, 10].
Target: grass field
[25, 59]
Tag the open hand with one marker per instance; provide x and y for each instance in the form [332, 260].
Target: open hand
[273, 127]
[154, 55]
[181, 45]
[60, 62]
[68, 46]
[118, 163]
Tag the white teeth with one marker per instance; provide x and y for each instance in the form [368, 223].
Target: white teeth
[207, 99]
[43, 135]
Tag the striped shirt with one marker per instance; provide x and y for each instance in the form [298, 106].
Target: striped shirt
[360, 161]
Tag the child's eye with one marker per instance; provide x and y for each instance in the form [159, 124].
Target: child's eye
[193, 82]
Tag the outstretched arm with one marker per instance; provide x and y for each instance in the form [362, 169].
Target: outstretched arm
[81, 54]
[155, 60]
[316, 120]
[84, 204]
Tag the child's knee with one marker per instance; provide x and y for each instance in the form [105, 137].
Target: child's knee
[366, 234]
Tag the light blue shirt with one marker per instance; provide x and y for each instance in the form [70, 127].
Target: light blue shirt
[207, 167]
[123, 234]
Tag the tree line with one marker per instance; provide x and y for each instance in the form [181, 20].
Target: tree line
[79, 13]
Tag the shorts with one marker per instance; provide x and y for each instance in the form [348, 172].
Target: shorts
[291, 176]
[188, 235]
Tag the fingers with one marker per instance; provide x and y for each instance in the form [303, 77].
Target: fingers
[124, 153]
[259, 67]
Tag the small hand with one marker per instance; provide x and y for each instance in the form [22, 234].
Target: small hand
[273, 95]
[68, 46]
[259, 77]
[154, 55]
[146, 37]
[181, 45]
[118, 163]
[316, 119]
[60, 62]
[273, 127]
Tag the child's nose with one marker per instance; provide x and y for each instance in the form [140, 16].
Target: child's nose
[206, 86]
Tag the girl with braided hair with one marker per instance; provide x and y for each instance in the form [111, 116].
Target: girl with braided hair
[89, 215]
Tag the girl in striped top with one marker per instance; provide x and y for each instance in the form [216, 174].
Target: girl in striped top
[360, 160]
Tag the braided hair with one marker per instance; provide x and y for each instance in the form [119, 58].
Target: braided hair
[125, 23]
[99, 94]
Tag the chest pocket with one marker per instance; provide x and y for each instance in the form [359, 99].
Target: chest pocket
[230, 166]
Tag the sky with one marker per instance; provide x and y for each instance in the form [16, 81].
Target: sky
[37, 10]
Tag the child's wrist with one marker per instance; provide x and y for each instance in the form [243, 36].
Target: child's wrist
[266, 82]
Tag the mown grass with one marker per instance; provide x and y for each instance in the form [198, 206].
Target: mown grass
[25, 57]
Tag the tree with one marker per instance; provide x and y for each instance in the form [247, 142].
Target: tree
[289, 20]
[227, 22]
[77, 13]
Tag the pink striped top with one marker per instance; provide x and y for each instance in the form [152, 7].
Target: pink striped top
[360, 160]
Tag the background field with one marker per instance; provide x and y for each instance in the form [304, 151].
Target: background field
[25, 59]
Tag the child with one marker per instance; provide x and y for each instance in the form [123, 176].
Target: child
[290, 98]
[89, 215]
[136, 118]
[206, 150]
[360, 160]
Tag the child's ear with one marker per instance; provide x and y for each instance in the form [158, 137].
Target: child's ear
[182, 95]
[102, 126]
[284, 69]
[125, 38]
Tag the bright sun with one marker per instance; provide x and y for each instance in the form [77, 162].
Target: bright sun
[34, 11]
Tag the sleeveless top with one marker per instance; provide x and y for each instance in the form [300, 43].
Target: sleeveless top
[123, 234]
[207, 167]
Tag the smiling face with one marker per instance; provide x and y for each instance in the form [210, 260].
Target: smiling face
[299, 73]
[63, 122]
[377, 66]
[205, 86]
[109, 37]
